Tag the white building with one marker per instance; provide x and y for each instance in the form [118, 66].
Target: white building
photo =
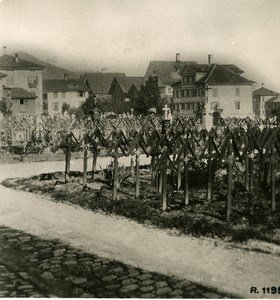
[58, 91]
[218, 85]
[26, 77]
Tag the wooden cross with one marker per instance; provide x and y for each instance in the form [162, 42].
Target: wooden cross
[165, 109]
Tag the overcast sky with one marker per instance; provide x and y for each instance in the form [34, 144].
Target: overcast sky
[124, 35]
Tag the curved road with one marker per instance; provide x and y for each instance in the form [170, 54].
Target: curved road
[203, 261]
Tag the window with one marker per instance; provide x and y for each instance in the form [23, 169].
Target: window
[63, 94]
[187, 93]
[188, 106]
[55, 94]
[215, 92]
[191, 106]
[237, 105]
[237, 91]
[194, 93]
[21, 101]
[183, 106]
[45, 96]
[169, 89]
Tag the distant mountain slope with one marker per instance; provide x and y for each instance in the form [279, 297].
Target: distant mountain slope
[51, 71]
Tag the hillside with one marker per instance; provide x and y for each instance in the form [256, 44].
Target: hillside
[51, 71]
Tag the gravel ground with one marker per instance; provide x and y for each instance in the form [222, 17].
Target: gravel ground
[206, 262]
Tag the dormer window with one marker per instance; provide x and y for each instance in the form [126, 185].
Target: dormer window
[189, 79]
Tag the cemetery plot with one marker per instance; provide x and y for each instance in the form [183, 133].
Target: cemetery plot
[228, 175]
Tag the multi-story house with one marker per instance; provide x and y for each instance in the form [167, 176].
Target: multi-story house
[272, 107]
[264, 101]
[124, 91]
[217, 85]
[23, 78]
[167, 73]
[58, 91]
[20, 101]
[99, 84]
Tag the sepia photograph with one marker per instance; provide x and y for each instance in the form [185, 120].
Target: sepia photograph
[140, 149]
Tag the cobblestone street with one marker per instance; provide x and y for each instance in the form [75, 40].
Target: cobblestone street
[33, 267]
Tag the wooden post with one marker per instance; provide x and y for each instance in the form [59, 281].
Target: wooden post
[247, 178]
[251, 185]
[94, 160]
[209, 184]
[273, 200]
[137, 179]
[116, 174]
[179, 176]
[186, 175]
[68, 157]
[209, 165]
[159, 176]
[229, 176]
[164, 187]
[85, 166]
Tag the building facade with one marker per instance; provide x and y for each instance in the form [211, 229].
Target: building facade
[56, 92]
[218, 86]
[124, 91]
[27, 76]
[264, 101]
[167, 73]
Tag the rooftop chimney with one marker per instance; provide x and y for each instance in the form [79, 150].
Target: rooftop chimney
[177, 57]
[209, 59]
[65, 76]
[16, 58]
[262, 85]
[4, 50]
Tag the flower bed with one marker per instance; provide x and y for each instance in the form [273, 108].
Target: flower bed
[250, 218]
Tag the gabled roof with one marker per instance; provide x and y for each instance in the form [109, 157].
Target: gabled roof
[100, 83]
[20, 93]
[204, 68]
[8, 62]
[126, 82]
[264, 92]
[64, 85]
[168, 71]
[220, 75]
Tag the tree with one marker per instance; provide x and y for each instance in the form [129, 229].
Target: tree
[88, 106]
[65, 107]
[149, 97]
[5, 107]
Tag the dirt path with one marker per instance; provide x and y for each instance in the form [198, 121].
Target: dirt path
[203, 261]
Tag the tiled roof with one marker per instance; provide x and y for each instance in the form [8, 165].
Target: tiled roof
[204, 68]
[62, 85]
[127, 82]
[220, 75]
[264, 92]
[20, 93]
[8, 62]
[169, 71]
[100, 83]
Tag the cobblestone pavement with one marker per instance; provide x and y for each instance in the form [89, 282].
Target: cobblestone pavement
[33, 267]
